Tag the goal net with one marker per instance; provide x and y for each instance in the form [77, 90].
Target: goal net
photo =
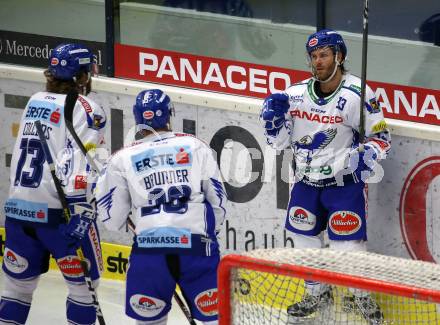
[278, 286]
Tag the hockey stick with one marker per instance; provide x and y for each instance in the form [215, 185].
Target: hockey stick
[363, 76]
[177, 298]
[66, 212]
[69, 105]
[184, 308]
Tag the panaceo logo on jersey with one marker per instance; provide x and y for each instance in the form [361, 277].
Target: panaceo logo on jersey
[323, 119]
[42, 110]
[164, 238]
[173, 157]
[26, 210]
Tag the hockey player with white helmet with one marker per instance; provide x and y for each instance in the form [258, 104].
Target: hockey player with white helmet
[35, 224]
[319, 118]
[171, 183]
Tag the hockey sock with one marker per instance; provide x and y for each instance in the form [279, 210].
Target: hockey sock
[80, 313]
[79, 306]
[14, 311]
[16, 300]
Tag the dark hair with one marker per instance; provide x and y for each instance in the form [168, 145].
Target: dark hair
[58, 86]
[344, 70]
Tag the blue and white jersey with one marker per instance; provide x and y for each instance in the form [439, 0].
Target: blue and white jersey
[32, 194]
[172, 184]
[322, 131]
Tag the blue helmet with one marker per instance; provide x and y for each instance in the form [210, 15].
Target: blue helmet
[67, 60]
[153, 108]
[326, 37]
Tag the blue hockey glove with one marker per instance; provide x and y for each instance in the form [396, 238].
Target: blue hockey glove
[275, 107]
[79, 224]
[361, 163]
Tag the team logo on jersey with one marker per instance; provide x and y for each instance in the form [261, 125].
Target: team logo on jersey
[301, 219]
[98, 122]
[373, 106]
[207, 302]
[165, 237]
[344, 222]
[106, 202]
[319, 140]
[14, 262]
[70, 266]
[146, 306]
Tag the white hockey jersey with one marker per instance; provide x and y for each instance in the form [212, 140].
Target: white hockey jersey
[322, 131]
[173, 186]
[32, 194]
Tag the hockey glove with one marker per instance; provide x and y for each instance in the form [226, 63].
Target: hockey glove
[361, 162]
[78, 226]
[275, 107]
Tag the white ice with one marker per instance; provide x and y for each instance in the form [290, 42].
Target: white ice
[49, 303]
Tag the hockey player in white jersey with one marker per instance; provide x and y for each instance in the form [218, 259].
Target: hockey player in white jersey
[35, 226]
[319, 119]
[172, 184]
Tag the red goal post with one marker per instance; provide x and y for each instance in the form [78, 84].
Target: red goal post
[405, 289]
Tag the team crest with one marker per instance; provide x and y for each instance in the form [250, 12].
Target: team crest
[319, 140]
[373, 106]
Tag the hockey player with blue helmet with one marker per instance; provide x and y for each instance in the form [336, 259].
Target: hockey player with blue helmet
[172, 184]
[319, 119]
[153, 109]
[35, 224]
[72, 64]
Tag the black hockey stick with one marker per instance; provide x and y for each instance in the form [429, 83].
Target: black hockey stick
[182, 305]
[363, 75]
[69, 105]
[66, 212]
[184, 308]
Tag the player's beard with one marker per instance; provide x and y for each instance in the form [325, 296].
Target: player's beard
[324, 74]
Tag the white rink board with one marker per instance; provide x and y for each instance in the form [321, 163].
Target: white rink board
[256, 221]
